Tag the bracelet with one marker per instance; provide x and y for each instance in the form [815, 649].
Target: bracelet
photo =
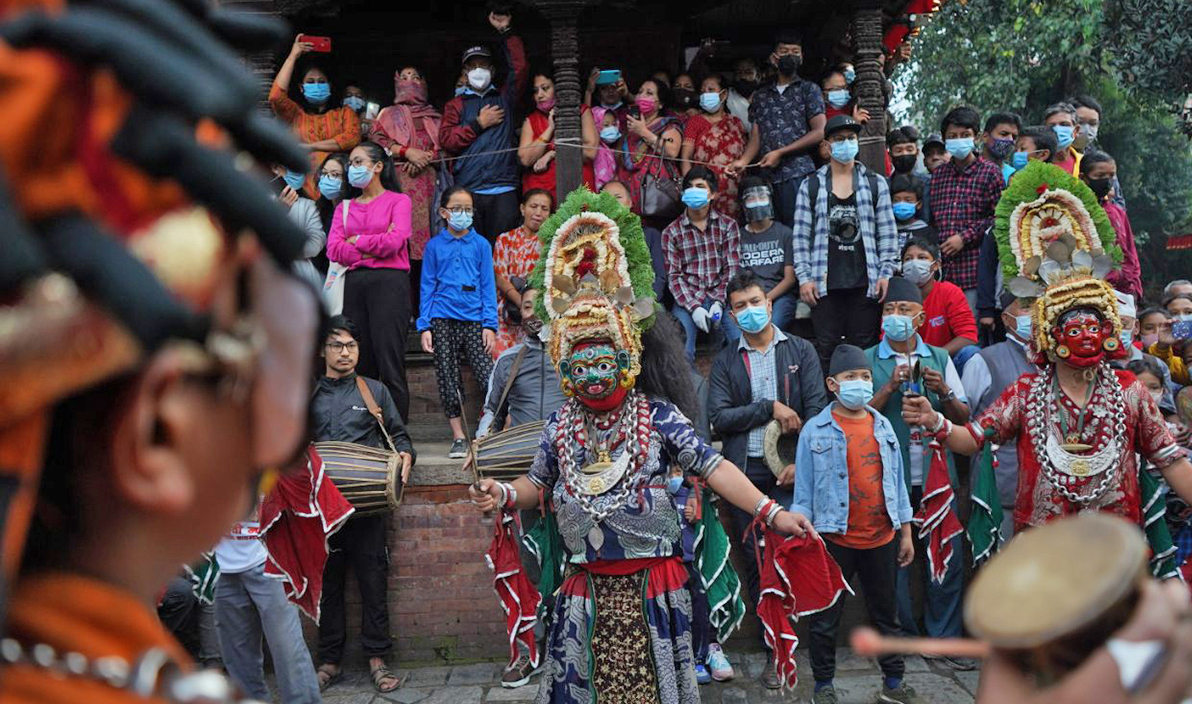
[504, 494]
[401, 153]
[772, 514]
[939, 423]
[511, 500]
[761, 504]
[948, 397]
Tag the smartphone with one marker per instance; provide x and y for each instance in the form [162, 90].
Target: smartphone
[1182, 329]
[610, 76]
[321, 44]
[371, 110]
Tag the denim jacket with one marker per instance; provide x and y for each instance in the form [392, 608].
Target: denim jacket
[821, 473]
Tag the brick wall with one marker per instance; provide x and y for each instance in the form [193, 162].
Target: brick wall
[427, 421]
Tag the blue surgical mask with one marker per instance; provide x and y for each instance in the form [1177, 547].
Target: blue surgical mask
[331, 186]
[1022, 327]
[898, 328]
[855, 393]
[1127, 337]
[849, 76]
[904, 211]
[360, 176]
[959, 147]
[695, 197]
[1182, 317]
[1019, 159]
[1063, 133]
[838, 98]
[674, 484]
[709, 101]
[355, 102]
[459, 221]
[460, 90]
[610, 134]
[316, 93]
[753, 319]
[294, 180]
[845, 151]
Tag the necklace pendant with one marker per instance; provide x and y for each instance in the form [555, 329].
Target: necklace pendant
[1075, 446]
[596, 537]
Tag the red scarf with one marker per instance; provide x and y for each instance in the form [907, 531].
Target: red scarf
[937, 520]
[409, 104]
[519, 597]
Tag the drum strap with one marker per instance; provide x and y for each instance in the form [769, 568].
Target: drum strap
[374, 410]
[517, 360]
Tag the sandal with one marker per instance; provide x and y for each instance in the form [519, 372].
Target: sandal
[328, 674]
[383, 673]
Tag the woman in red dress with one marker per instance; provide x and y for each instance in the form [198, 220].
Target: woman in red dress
[537, 148]
[716, 139]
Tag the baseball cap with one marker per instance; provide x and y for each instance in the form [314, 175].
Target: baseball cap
[473, 51]
[841, 122]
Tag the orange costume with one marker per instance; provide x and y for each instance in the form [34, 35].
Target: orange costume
[341, 124]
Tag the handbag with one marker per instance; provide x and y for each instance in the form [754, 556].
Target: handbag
[333, 285]
[662, 192]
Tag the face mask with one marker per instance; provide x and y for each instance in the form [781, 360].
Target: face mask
[684, 99]
[695, 197]
[646, 105]
[845, 151]
[898, 328]
[360, 176]
[1019, 159]
[294, 180]
[610, 134]
[355, 102]
[745, 88]
[838, 98]
[614, 106]
[759, 210]
[1001, 148]
[1127, 337]
[904, 163]
[904, 211]
[917, 271]
[788, 64]
[331, 187]
[1100, 187]
[479, 78]
[709, 101]
[855, 393]
[1022, 326]
[753, 319]
[1182, 317]
[532, 325]
[1063, 133]
[959, 147]
[316, 93]
[460, 221]
[849, 76]
[674, 484]
[1156, 395]
[460, 90]
[546, 105]
[1149, 339]
[1089, 133]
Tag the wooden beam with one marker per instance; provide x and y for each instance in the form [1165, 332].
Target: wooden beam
[870, 84]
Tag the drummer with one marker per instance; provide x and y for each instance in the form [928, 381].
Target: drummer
[766, 376]
[340, 413]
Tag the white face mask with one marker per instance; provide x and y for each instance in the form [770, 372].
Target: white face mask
[479, 78]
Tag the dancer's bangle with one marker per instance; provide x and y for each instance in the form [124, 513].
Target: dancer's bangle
[772, 513]
[939, 423]
[761, 505]
[511, 498]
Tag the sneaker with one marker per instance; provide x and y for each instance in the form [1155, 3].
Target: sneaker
[722, 670]
[904, 694]
[959, 663]
[701, 674]
[518, 673]
[827, 695]
[770, 675]
[459, 449]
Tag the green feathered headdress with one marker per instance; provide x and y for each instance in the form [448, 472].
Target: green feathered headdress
[1049, 225]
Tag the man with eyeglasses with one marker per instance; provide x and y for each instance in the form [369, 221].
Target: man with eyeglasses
[339, 413]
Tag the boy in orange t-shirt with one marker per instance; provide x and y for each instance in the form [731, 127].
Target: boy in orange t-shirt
[848, 481]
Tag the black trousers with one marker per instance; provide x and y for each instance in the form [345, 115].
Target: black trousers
[845, 315]
[361, 544]
[378, 302]
[875, 569]
[496, 213]
[743, 540]
[784, 200]
[701, 626]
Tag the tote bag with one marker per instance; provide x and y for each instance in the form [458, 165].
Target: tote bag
[333, 285]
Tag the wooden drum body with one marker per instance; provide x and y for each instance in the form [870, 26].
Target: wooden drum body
[369, 478]
[508, 454]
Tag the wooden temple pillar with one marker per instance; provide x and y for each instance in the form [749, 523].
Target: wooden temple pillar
[869, 87]
[564, 49]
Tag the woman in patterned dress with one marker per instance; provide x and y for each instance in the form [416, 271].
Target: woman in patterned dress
[716, 139]
[653, 141]
[514, 254]
[322, 128]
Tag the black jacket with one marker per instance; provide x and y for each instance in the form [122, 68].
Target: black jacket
[730, 398]
[338, 413]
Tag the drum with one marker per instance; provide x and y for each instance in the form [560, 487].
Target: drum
[369, 478]
[778, 449]
[506, 455]
[1057, 592]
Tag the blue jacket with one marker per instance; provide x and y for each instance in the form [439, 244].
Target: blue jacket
[457, 280]
[821, 473]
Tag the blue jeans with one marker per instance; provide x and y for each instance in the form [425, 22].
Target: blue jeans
[941, 608]
[247, 605]
[784, 311]
[727, 325]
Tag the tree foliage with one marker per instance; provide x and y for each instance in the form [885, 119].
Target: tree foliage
[1151, 42]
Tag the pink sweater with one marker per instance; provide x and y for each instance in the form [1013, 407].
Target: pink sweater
[383, 227]
[1129, 278]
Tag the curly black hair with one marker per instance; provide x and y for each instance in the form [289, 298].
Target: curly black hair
[666, 374]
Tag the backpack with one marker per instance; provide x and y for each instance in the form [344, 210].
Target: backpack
[813, 193]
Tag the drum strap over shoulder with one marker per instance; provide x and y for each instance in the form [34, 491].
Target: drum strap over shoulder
[517, 360]
[374, 410]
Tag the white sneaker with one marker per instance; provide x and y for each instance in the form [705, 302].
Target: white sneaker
[718, 664]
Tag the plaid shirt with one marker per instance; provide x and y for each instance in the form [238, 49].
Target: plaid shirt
[879, 233]
[962, 203]
[700, 263]
[763, 384]
[781, 119]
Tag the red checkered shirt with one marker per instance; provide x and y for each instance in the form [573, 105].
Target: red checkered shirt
[700, 263]
[962, 203]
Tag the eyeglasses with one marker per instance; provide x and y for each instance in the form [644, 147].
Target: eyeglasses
[458, 210]
[331, 174]
[341, 346]
[361, 162]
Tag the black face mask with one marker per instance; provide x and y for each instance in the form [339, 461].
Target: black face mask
[745, 88]
[1100, 187]
[904, 163]
[684, 99]
[789, 64]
